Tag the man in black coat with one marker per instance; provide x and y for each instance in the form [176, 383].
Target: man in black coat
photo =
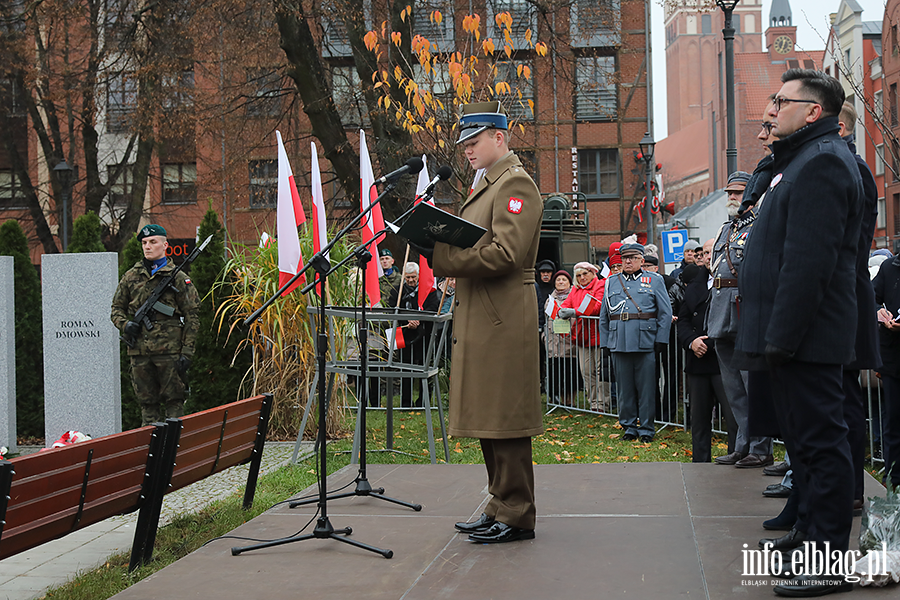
[700, 363]
[798, 287]
[887, 294]
[867, 354]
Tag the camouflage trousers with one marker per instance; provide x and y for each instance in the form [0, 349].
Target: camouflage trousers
[157, 386]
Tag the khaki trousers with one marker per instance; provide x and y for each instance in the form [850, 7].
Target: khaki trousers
[510, 481]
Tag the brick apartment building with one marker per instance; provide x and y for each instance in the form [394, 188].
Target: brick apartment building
[590, 111]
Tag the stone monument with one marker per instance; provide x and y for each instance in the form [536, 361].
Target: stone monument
[7, 355]
[82, 387]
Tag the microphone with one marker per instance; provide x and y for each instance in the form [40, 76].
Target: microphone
[443, 174]
[413, 165]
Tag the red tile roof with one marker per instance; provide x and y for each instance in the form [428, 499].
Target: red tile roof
[684, 153]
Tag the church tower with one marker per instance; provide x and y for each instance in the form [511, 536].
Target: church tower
[781, 36]
[695, 57]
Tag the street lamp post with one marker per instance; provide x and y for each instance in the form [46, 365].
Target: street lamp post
[647, 145]
[64, 174]
[728, 7]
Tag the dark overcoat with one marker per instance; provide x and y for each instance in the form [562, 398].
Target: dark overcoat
[691, 324]
[867, 354]
[494, 376]
[887, 293]
[798, 276]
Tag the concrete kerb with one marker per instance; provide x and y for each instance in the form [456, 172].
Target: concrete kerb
[29, 575]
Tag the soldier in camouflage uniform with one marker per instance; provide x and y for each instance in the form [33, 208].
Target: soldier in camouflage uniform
[390, 281]
[161, 356]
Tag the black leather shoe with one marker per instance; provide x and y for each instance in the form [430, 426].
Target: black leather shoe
[646, 438]
[777, 470]
[729, 459]
[792, 539]
[500, 533]
[482, 523]
[777, 491]
[810, 586]
[629, 437]
[755, 461]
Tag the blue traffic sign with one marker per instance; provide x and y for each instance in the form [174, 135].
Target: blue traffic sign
[673, 242]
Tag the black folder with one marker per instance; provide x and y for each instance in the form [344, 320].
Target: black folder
[427, 222]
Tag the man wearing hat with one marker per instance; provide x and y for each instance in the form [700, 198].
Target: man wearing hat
[389, 283]
[635, 317]
[494, 391]
[722, 321]
[163, 354]
[543, 287]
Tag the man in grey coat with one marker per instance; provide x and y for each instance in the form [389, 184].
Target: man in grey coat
[636, 317]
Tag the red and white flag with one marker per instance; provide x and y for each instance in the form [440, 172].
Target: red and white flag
[552, 308]
[426, 275]
[320, 226]
[588, 305]
[373, 222]
[289, 215]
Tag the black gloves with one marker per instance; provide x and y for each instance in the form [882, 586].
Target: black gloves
[132, 329]
[183, 364]
[426, 251]
[775, 356]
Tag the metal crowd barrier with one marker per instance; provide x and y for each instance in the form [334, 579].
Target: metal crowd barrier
[563, 365]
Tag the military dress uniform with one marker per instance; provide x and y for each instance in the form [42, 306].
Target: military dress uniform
[155, 356]
[495, 388]
[722, 326]
[636, 315]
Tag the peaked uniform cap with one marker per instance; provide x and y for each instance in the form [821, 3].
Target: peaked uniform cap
[480, 116]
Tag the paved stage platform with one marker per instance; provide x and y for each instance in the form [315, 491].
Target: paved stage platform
[645, 531]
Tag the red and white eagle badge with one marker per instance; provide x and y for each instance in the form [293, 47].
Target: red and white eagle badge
[515, 205]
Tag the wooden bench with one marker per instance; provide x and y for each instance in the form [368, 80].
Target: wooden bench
[48, 495]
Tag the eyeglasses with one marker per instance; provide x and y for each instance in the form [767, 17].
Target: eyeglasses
[767, 126]
[780, 102]
[632, 257]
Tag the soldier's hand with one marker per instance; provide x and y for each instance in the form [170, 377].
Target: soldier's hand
[183, 364]
[566, 313]
[132, 329]
[426, 250]
[775, 356]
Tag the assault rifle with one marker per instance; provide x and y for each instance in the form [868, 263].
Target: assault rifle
[152, 305]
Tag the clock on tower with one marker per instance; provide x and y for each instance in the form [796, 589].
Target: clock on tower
[783, 44]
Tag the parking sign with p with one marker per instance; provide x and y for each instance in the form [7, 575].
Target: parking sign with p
[673, 242]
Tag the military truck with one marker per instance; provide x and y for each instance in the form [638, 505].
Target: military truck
[564, 230]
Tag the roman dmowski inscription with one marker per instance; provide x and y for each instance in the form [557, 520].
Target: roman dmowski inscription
[77, 329]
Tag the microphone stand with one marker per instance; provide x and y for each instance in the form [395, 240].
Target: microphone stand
[363, 487]
[324, 528]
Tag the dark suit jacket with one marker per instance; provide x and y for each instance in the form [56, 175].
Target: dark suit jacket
[887, 292]
[867, 354]
[690, 326]
[798, 276]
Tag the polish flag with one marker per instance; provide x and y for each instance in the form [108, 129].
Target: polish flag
[373, 222]
[396, 341]
[320, 226]
[552, 308]
[588, 305]
[289, 215]
[426, 275]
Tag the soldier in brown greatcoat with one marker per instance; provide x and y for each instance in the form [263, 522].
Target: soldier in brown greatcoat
[495, 389]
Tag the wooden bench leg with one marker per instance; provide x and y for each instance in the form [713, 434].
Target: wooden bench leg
[161, 463]
[259, 444]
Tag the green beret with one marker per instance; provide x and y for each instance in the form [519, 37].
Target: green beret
[149, 230]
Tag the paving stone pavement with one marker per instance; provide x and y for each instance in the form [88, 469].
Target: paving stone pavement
[30, 574]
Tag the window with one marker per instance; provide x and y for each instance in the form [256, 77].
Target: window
[896, 213]
[595, 87]
[180, 183]
[892, 100]
[263, 183]
[706, 24]
[119, 21]
[881, 219]
[440, 83]
[595, 23]
[895, 49]
[878, 98]
[519, 98]
[11, 193]
[178, 89]
[598, 173]
[879, 159]
[121, 98]
[436, 33]
[895, 166]
[736, 22]
[524, 17]
[347, 94]
[120, 187]
[11, 97]
[336, 42]
[265, 93]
